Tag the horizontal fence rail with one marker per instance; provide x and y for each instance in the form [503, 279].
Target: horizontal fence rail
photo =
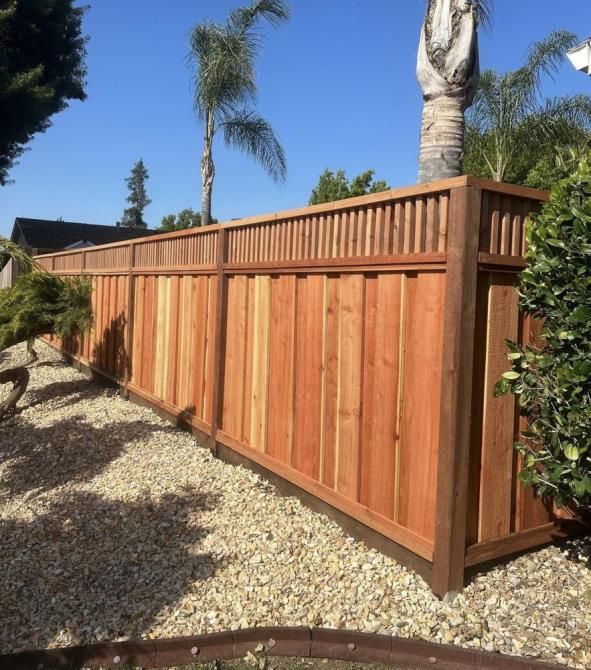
[350, 348]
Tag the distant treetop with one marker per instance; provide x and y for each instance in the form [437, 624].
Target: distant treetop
[335, 186]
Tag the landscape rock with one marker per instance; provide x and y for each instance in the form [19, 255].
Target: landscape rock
[115, 525]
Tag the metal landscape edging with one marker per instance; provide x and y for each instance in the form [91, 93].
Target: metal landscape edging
[273, 642]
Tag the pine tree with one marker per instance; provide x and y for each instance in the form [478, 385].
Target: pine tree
[38, 304]
[133, 216]
[42, 68]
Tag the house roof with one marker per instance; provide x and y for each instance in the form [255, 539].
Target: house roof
[57, 235]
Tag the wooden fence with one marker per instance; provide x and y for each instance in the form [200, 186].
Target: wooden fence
[8, 274]
[350, 348]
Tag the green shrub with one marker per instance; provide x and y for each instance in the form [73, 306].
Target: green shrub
[552, 377]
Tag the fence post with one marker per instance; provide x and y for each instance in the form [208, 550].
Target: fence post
[220, 336]
[128, 354]
[456, 390]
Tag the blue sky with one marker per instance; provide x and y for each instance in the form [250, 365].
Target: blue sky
[337, 83]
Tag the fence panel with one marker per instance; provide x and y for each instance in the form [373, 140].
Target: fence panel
[173, 341]
[311, 341]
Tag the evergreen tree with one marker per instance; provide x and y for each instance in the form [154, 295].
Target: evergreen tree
[42, 67]
[185, 219]
[335, 186]
[38, 304]
[133, 216]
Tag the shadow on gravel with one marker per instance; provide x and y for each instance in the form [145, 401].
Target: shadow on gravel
[60, 394]
[579, 549]
[40, 458]
[98, 569]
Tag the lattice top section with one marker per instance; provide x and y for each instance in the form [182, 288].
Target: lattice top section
[394, 226]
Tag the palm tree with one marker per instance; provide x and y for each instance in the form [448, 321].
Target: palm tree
[447, 70]
[510, 119]
[226, 87]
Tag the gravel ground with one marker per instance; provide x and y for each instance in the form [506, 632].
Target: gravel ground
[114, 525]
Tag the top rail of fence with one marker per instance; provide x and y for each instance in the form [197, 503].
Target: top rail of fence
[409, 221]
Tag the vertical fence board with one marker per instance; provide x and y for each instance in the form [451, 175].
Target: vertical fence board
[308, 374]
[331, 383]
[380, 393]
[420, 420]
[281, 368]
[496, 480]
[260, 362]
[349, 388]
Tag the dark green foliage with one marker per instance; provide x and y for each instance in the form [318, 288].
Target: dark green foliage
[335, 186]
[133, 216]
[553, 378]
[185, 219]
[40, 303]
[42, 67]
[539, 166]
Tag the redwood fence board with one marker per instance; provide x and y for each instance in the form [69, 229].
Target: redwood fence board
[350, 348]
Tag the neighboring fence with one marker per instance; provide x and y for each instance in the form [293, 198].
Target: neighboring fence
[8, 274]
[350, 348]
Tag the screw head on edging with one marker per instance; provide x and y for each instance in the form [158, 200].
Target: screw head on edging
[194, 650]
[117, 660]
[271, 643]
[432, 659]
[351, 646]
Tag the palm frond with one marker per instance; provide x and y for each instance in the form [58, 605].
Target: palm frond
[486, 105]
[562, 121]
[224, 72]
[244, 19]
[575, 109]
[250, 133]
[546, 57]
[484, 10]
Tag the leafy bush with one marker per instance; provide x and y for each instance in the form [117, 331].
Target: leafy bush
[552, 376]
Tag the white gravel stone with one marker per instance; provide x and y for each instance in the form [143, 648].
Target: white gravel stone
[114, 525]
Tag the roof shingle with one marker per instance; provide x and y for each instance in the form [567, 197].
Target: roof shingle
[44, 234]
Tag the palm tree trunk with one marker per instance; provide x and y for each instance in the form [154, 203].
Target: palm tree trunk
[207, 174]
[448, 71]
[442, 139]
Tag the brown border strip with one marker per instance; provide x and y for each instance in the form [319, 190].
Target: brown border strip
[278, 641]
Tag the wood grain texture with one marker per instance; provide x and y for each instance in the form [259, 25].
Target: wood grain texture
[308, 374]
[456, 384]
[260, 363]
[496, 469]
[334, 345]
[280, 431]
[421, 392]
[380, 393]
[350, 380]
